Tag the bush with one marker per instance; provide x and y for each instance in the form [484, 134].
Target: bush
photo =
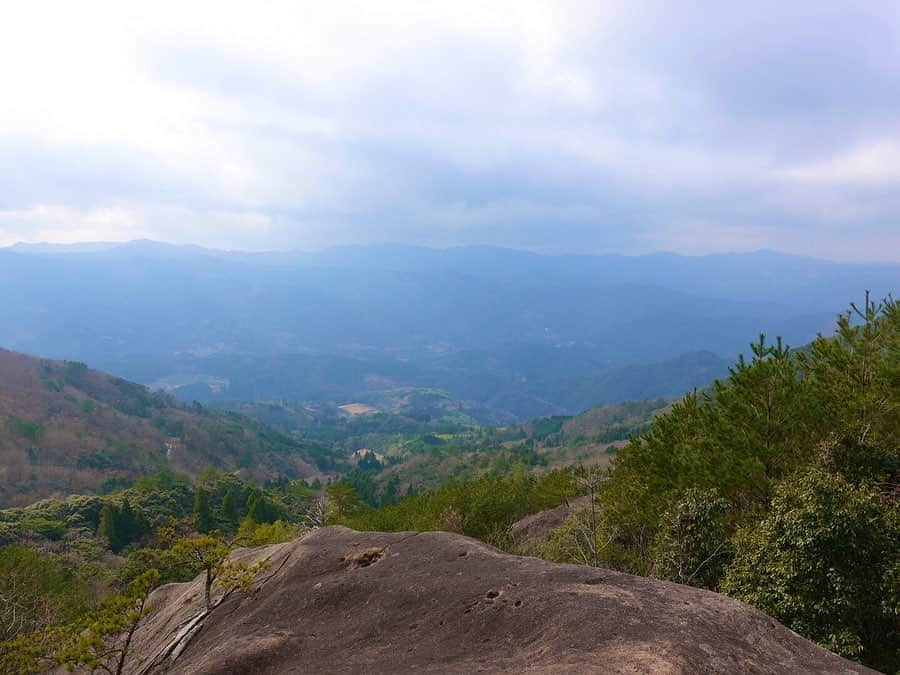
[41, 527]
[253, 534]
[692, 547]
[36, 590]
[821, 562]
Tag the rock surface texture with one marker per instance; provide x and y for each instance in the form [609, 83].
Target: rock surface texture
[339, 601]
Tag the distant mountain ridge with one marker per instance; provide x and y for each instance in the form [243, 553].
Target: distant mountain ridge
[758, 276]
[478, 322]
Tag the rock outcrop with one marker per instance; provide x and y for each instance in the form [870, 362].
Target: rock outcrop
[535, 528]
[339, 601]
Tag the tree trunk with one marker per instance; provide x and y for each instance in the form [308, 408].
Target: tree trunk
[121, 664]
[208, 588]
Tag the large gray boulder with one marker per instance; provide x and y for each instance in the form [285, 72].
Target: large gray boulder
[339, 601]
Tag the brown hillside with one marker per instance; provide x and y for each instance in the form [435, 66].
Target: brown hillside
[339, 601]
[65, 428]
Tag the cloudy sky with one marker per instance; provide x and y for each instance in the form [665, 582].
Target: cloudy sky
[554, 126]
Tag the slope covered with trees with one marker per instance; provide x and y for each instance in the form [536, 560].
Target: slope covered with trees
[779, 487]
[65, 429]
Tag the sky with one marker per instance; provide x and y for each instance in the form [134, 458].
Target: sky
[559, 127]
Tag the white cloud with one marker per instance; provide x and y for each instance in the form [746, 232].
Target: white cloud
[424, 121]
[872, 162]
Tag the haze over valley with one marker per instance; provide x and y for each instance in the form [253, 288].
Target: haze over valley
[513, 335]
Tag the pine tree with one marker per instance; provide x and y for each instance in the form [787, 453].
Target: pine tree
[103, 640]
[229, 508]
[342, 500]
[203, 519]
[208, 554]
[259, 511]
[127, 523]
[856, 373]
[109, 527]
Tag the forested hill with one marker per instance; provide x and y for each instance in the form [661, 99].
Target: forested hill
[65, 429]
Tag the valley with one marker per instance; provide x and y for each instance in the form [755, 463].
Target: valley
[510, 335]
[682, 470]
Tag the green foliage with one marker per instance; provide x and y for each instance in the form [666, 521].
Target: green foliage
[822, 561]
[172, 426]
[29, 429]
[203, 519]
[692, 547]
[477, 508]
[777, 485]
[251, 533]
[548, 426]
[120, 525]
[36, 591]
[74, 372]
[858, 371]
[343, 501]
[208, 554]
[97, 640]
[790, 463]
[575, 541]
[103, 639]
[228, 509]
[35, 527]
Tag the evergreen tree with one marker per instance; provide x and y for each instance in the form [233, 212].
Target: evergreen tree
[103, 640]
[342, 500]
[109, 527]
[128, 525]
[857, 371]
[229, 508]
[203, 519]
[120, 525]
[259, 510]
[209, 554]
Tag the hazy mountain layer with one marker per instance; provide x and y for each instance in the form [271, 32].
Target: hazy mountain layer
[519, 334]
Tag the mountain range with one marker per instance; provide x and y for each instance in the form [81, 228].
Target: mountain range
[515, 333]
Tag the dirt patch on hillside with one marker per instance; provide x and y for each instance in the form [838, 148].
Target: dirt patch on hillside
[357, 409]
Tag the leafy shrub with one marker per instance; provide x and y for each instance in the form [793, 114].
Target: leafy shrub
[36, 590]
[692, 547]
[822, 561]
[255, 534]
